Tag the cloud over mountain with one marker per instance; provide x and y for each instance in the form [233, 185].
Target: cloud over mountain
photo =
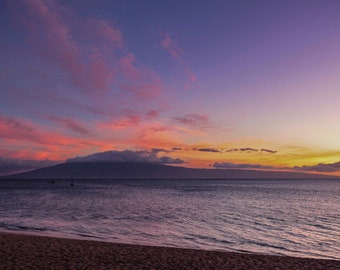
[229, 165]
[321, 167]
[148, 156]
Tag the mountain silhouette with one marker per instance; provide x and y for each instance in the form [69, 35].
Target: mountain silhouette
[138, 170]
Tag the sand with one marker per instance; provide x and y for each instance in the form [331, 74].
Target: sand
[38, 252]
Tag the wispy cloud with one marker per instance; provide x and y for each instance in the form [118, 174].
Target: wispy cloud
[15, 129]
[176, 52]
[230, 165]
[88, 52]
[250, 150]
[235, 150]
[70, 124]
[77, 75]
[193, 120]
[26, 140]
[212, 150]
[172, 47]
[142, 90]
[19, 130]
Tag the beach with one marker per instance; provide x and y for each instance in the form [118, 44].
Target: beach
[22, 251]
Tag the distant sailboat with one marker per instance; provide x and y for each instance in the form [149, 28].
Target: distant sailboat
[72, 181]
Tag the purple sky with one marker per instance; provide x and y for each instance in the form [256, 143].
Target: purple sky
[241, 84]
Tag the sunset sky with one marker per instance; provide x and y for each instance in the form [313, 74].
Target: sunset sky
[212, 84]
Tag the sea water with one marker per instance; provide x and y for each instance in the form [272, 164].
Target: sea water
[283, 217]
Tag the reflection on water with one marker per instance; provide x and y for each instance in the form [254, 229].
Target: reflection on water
[290, 217]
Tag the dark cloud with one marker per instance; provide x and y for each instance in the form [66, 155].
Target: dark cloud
[11, 165]
[321, 167]
[170, 160]
[251, 150]
[241, 150]
[159, 150]
[213, 150]
[268, 151]
[193, 120]
[245, 149]
[176, 148]
[229, 165]
[148, 156]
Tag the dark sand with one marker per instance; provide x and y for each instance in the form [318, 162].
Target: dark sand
[37, 252]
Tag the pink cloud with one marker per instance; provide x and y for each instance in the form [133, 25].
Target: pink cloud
[172, 47]
[177, 53]
[141, 82]
[155, 135]
[111, 33]
[90, 53]
[151, 114]
[14, 129]
[80, 67]
[128, 121]
[100, 73]
[143, 90]
[191, 76]
[51, 35]
[23, 139]
[128, 68]
[70, 124]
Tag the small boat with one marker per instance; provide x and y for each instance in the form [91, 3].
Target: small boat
[72, 181]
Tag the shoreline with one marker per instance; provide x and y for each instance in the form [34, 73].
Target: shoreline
[29, 251]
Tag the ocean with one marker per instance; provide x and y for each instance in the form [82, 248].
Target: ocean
[282, 217]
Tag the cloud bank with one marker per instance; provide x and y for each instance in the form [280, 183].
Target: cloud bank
[232, 150]
[229, 165]
[148, 156]
[321, 167]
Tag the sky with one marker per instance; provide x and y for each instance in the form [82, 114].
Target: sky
[207, 84]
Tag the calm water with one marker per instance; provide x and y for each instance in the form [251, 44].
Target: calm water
[290, 217]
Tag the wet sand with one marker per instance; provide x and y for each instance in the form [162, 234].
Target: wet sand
[38, 252]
